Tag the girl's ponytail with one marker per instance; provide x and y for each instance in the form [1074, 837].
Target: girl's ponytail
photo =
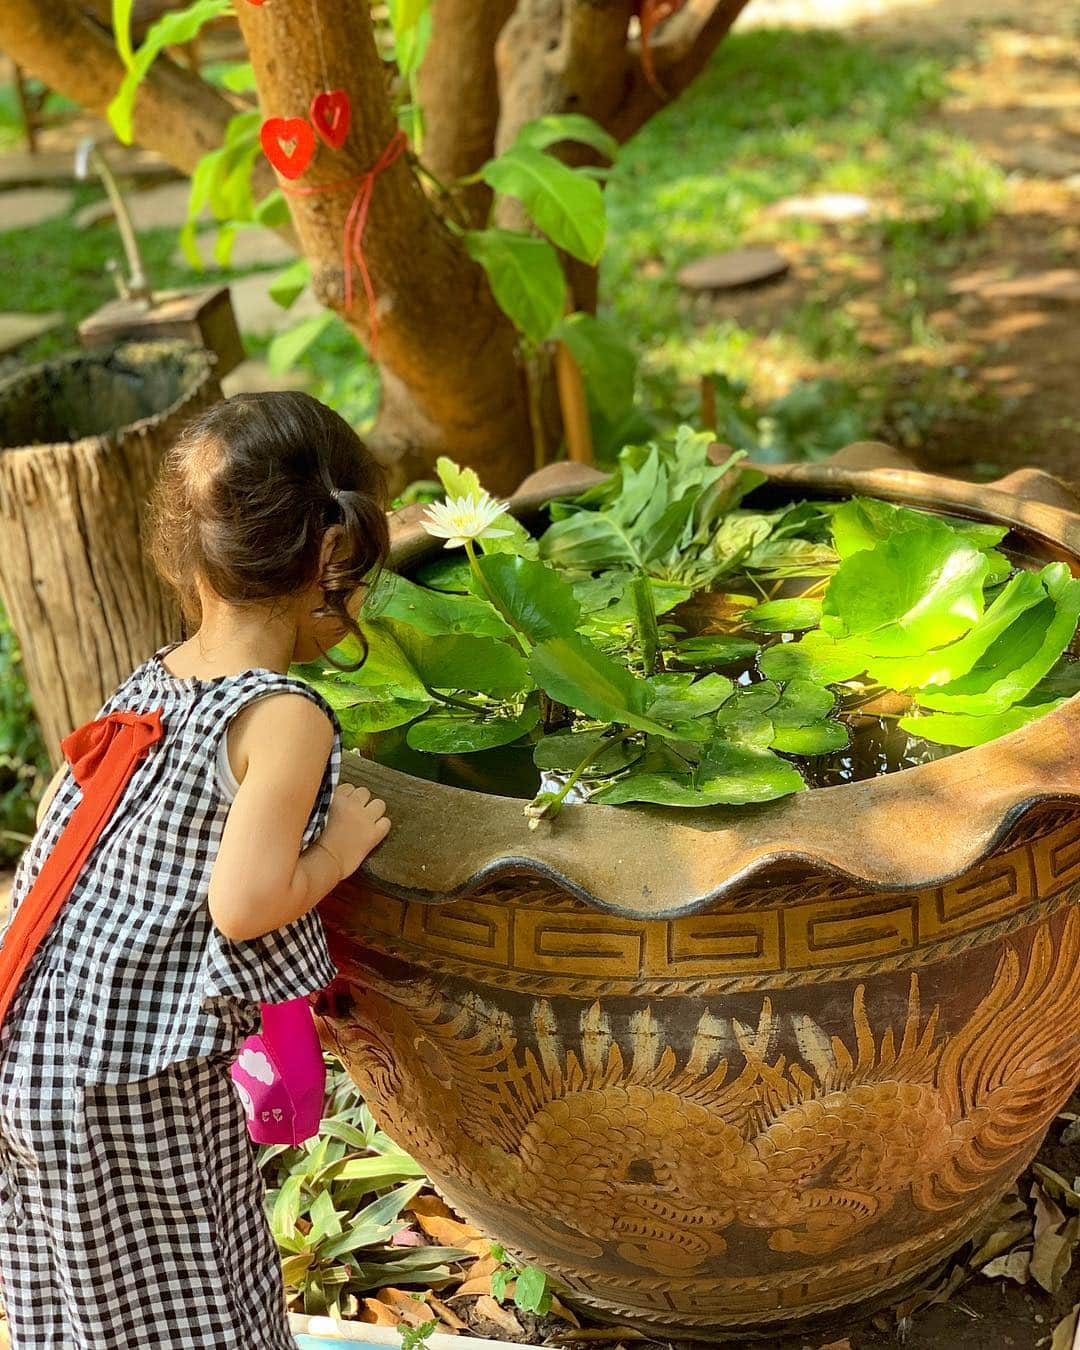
[362, 552]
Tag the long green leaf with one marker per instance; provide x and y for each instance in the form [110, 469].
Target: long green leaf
[552, 128]
[574, 672]
[525, 278]
[535, 597]
[567, 206]
[964, 730]
[171, 30]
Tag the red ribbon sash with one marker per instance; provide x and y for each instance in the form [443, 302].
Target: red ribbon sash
[103, 756]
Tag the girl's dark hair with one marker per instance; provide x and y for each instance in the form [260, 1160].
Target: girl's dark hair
[245, 496]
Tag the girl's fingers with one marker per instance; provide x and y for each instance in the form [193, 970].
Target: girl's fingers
[377, 807]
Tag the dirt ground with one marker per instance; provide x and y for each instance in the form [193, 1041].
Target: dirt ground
[1007, 330]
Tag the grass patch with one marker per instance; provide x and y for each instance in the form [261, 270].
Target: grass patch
[776, 114]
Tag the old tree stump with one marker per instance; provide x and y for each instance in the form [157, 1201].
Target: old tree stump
[80, 441]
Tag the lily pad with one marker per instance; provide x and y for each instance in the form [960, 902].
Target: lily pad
[730, 775]
[783, 616]
[449, 734]
[910, 592]
[720, 649]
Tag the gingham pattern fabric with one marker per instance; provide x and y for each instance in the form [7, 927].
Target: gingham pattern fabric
[150, 981]
[131, 1215]
[131, 1208]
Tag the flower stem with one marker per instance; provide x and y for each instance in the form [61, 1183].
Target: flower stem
[482, 582]
[590, 758]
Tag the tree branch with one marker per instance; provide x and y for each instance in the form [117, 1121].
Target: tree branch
[176, 113]
[459, 94]
[681, 50]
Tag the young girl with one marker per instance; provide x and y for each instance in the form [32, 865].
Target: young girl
[131, 1208]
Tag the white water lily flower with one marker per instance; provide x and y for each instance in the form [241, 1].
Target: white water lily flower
[462, 518]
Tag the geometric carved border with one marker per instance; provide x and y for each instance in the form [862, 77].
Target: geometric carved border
[540, 938]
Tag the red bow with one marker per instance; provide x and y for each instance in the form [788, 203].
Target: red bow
[103, 756]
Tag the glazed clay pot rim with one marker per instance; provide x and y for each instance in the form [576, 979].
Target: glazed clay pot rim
[921, 827]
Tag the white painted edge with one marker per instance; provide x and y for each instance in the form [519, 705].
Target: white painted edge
[356, 1333]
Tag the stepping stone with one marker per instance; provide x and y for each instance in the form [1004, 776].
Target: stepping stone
[257, 312]
[162, 207]
[1044, 160]
[251, 248]
[25, 207]
[731, 271]
[828, 206]
[1059, 283]
[16, 330]
[256, 377]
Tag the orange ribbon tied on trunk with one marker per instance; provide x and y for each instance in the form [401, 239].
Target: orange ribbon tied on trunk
[103, 755]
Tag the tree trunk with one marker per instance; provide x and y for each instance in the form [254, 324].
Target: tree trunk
[447, 353]
[459, 94]
[83, 599]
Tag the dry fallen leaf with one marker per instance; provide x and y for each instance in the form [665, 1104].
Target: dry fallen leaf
[501, 1317]
[1016, 1266]
[845, 1344]
[379, 1314]
[446, 1314]
[475, 1284]
[561, 1310]
[429, 1204]
[1053, 1254]
[1065, 1331]
[1001, 1240]
[450, 1232]
[1047, 1215]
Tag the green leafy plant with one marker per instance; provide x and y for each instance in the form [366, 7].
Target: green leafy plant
[580, 647]
[531, 1291]
[334, 1205]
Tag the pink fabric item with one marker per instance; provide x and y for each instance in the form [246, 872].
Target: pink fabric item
[281, 1075]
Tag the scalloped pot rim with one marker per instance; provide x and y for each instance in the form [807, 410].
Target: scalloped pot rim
[920, 827]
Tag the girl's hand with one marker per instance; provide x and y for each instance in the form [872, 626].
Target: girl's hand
[356, 825]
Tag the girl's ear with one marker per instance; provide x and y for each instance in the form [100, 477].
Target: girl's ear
[331, 539]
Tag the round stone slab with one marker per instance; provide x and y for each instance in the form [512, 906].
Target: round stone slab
[730, 271]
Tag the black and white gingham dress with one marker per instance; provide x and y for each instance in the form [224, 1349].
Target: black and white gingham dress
[131, 1209]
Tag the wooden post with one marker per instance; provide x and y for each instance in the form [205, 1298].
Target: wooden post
[575, 408]
[83, 599]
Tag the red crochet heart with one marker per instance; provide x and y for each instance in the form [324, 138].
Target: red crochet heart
[277, 133]
[331, 112]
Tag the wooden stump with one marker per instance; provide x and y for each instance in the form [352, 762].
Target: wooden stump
[80, 442]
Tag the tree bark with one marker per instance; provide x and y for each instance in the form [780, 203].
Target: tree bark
[447, 354]
[681, 50]
[459, 95]
[83, 598]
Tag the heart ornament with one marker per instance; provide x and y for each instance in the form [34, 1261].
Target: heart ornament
[288, 143]
[331, 113]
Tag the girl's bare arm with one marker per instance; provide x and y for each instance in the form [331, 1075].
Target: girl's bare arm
[260, 879]
[49, 793]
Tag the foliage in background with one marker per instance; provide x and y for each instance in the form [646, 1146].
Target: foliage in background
[23, 761]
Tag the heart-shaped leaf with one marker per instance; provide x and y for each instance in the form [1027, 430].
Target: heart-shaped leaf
[730, 775]
[783, 616]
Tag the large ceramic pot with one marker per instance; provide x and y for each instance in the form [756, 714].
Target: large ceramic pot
[727, 1069]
